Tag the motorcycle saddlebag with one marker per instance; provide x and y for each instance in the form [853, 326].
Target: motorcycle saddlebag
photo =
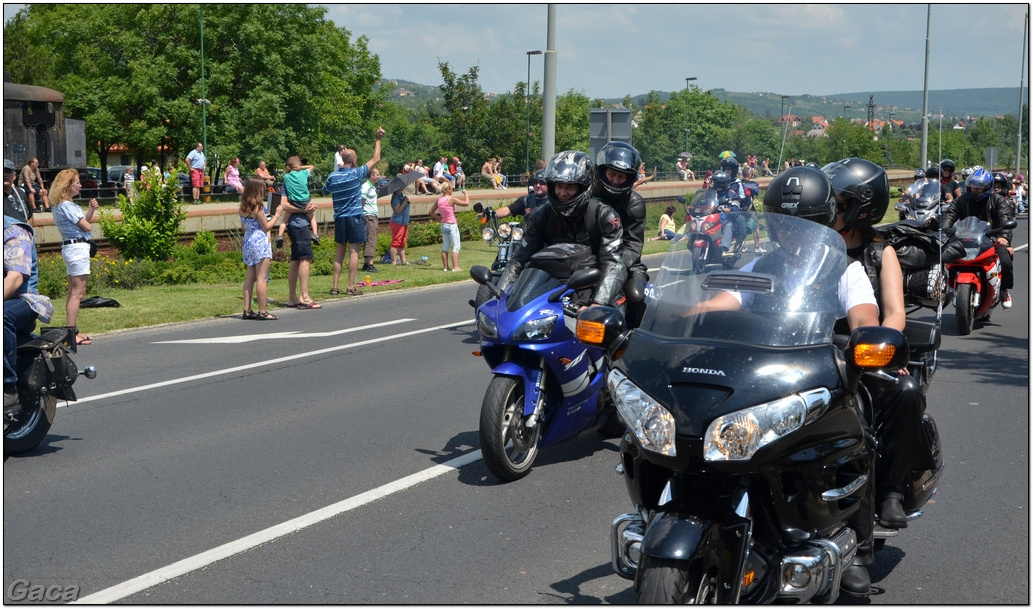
[38, 378]
[926, 286]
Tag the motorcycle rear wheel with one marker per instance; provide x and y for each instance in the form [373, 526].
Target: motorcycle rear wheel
[30, 426]
[668, 582]
[965, 309]
[508, 448]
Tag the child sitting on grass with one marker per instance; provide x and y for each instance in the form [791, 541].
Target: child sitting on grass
[295, 182]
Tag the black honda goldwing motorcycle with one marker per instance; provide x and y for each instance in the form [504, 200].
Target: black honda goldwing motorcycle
[750, 436]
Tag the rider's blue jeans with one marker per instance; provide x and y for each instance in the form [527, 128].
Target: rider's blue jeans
[17, 315]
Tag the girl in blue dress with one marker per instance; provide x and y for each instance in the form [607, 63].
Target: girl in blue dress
[257, 252]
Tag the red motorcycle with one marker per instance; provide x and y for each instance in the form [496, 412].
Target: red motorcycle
[976, 278]
[703, 227]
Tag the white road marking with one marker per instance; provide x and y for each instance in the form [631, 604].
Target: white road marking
[266, 363]
[199, 561]
[232, 340]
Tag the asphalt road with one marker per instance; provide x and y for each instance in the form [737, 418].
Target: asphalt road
[330, 457]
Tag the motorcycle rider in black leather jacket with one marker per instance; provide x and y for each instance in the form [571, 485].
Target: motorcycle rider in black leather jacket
[981, 201]
[615, 173]
[538, 197]
[862, 197]
[573, 216]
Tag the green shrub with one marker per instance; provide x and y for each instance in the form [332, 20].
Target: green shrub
[204, 242]
[150, 224]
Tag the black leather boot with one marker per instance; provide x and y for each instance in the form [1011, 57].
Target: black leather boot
[856, 582]
[891, 511]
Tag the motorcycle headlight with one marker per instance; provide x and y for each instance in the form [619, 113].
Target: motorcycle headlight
[487, 234]
[709, 226]
[505, 230]
[518, 233]
[739, 435]
[486, 326]
[536, 329]
[651, 423]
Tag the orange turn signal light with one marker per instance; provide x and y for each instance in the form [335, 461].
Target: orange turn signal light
[748, 579]
[590, 332]
[874, 355]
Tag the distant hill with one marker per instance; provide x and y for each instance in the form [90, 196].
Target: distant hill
[906, 105]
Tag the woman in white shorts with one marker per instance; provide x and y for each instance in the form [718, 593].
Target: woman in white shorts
[75, 229]
[444, 210]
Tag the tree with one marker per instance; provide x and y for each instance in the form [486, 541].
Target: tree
[281, 78]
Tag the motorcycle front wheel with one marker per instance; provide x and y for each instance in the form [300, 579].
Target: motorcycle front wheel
[483, 295]
[507, 446]
[30, 426]
[668, 582]
[965, 308]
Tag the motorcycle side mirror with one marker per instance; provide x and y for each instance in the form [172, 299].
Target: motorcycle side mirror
[477, 207]
[584, 278]
[900, 207]
[601, 326]
[1010, 224]
[480, 274]
[680, 199]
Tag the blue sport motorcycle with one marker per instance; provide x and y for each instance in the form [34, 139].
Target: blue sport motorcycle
[546, 386]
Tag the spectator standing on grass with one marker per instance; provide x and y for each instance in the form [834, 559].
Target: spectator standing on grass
[33, 184]
[75, 228]
[344, 186]
[295, 183]
[255, 248]
[369, 215]
[399, 227]
[197, 162]
[444, 209]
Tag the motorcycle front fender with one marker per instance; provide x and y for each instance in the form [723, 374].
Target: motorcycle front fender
[720, 540]
[966, 277]
[514, 369]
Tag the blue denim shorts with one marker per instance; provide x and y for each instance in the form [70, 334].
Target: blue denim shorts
[350, 229]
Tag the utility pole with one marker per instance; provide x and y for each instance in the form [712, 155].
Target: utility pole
[549, 90]
[925, 96]
[1022, 72]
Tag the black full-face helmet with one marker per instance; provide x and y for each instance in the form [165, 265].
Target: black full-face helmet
[1001, 182]
[721, 181]
[862, 191]
[621, 157]
[802, 192]
[730, 166]
[570, 167]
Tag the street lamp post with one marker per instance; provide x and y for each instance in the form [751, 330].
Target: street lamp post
[785, 131]
[527, 105]
[687, 79]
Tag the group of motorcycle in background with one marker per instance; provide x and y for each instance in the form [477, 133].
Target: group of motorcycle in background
[748, 437]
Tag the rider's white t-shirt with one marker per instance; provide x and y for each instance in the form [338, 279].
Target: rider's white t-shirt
[854, 288]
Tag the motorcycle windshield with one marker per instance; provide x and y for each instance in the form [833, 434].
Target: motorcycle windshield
[703, 203]
[928, 194]
[971, 231]
[788, 297]
[531, 284]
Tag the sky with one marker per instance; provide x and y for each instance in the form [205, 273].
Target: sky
[613, 50]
